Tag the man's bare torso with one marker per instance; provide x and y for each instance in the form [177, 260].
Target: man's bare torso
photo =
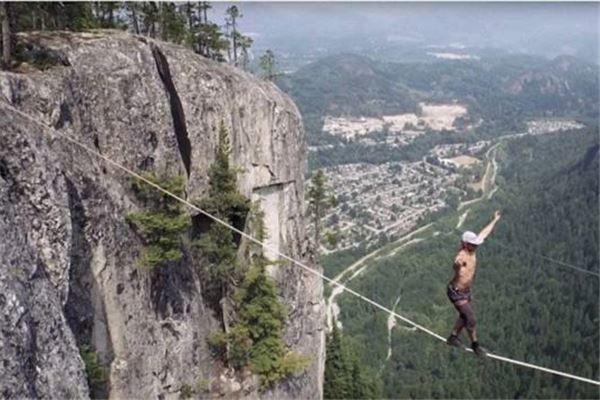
[464, 269]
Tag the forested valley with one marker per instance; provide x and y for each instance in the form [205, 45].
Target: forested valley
[528, 307]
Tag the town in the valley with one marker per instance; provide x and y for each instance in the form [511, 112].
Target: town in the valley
[379, 202]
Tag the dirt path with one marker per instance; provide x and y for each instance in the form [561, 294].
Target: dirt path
[333, 309]
[391, 323]
[488, 180]
[357, 268]
[462, 218]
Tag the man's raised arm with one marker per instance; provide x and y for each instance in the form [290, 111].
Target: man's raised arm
[489, 227]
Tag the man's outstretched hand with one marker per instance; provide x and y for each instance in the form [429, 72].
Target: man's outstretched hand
[490, 226]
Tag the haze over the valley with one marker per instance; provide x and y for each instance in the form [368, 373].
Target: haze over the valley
[304, 32]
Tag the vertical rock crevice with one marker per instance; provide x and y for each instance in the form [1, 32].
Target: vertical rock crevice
[79, 308]
[84, 310]
[183, 141]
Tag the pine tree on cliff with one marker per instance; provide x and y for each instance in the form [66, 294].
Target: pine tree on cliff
[245, 43]
[255, 339]
[150, 18]
[320, 200]
[172, 23]
[233, 14]
[214, 41]
[107, 13]
[162, 223]
[134, 10]
[268, 66]
[217, 246]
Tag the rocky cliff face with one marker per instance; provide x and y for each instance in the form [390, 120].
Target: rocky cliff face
[68, 272]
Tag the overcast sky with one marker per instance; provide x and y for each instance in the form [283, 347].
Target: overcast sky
[550, 28]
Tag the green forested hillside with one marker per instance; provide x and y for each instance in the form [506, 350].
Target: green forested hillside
[507, 89]
[502, 91]
[345, 84]
[348, 84]
[528, 308]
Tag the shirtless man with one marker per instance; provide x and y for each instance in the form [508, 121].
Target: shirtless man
[459, 289]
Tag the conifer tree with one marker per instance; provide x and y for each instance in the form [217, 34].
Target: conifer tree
[172, 23]
[150, 18]
[253, 334]
[96, 374]
[212, 42]
[345, 378]
[338, 371]
[163, 223]
[256, 338]
[218, 246]
[236, 40]
[268, 66]
[107, 13]
[233, 14]
[245, 42]
[320, 200]
[203, 7]
[182, 23]
[134, 13]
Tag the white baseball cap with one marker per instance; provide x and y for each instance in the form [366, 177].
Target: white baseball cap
[472, 238]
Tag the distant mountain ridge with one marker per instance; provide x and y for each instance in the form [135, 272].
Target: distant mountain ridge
[347, 84]
[500, 90]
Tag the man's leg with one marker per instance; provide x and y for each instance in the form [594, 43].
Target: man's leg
[472, 334]
[468, 315]
[458, 327]
[460, 321]
[453, 339]
[470, 322]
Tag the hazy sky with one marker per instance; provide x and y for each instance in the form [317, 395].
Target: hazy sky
[543, 28]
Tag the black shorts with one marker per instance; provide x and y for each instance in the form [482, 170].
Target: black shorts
[464, 308]
[457, 295]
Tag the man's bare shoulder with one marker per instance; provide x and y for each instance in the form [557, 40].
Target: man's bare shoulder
[461, 258]
[464, 257]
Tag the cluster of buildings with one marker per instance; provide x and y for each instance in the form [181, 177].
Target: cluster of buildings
[539, 127]
[387, 199]
[430, 116]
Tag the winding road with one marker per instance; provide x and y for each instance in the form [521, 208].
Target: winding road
[332, 306]
[357, 268]
[489, 187]
[489, 178]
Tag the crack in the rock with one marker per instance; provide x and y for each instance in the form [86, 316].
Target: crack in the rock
[183, 142]
[267, 166]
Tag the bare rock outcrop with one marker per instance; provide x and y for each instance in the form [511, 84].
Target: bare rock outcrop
[68, 271]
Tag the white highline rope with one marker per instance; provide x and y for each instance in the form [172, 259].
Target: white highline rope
[561, 263]
[299, 263]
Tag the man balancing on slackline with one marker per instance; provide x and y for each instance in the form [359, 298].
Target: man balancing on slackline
[459, 289]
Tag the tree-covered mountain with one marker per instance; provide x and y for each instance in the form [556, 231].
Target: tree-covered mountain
[528, 307]
[345, 84]
[502, 91]
[348, 84]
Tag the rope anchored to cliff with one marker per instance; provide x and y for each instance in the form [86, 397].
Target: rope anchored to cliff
[290, 259]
